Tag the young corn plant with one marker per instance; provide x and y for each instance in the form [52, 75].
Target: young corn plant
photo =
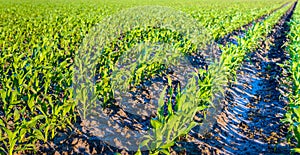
[178, 121]
[292, 117]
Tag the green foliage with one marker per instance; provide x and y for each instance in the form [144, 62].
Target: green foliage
[38, 43]
[292, 117]
[179, 121]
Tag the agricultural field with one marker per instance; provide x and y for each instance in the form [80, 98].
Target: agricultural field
[149, 77]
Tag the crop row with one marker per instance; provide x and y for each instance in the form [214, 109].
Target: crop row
[292, 117]
[211, 82]
[235, 17]
[37, 47]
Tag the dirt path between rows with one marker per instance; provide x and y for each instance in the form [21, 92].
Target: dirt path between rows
[250, 120]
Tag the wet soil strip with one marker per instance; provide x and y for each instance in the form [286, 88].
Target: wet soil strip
[250, 120]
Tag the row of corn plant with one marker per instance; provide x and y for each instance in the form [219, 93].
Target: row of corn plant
[292, 117]
[209, 85]
[38, 41]
[36, 59]
[179, 121]
[106, 62]
[235, 19]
